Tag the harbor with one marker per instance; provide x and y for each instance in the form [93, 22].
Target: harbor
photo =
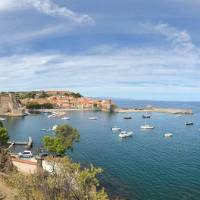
[169, 146]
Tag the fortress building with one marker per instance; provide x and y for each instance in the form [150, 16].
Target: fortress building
[9, 106]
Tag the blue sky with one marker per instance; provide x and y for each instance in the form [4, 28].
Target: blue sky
[129, 49]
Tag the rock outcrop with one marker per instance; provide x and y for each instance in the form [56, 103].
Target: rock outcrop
[9, 106]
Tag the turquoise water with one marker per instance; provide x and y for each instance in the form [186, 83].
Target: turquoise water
[144, 167]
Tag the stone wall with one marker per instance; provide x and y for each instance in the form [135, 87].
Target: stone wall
[10, 106]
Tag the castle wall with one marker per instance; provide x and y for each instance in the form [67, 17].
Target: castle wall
[9, 105]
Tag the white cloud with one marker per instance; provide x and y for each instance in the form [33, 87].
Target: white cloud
[47, 7]
[150, 70]
[110, 69]
[178, 39]
[24, 27]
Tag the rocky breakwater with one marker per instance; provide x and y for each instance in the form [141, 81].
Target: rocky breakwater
[9, 106]
[154, 109]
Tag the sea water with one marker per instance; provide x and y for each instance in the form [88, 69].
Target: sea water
[147, 166]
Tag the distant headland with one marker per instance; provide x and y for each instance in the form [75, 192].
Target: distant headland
[19, 103]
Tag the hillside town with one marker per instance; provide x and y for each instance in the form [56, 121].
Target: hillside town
[67, 100]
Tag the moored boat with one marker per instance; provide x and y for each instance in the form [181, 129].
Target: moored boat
[127, 117]
[116, 129]
[52, 115]
[146, 116]
[2, 119]
[43, 129]
[125, 134]
[189, 123]
[93, 118]
[147, 126]
[168, 135]
[65, 118]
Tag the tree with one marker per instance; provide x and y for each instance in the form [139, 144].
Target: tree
[43, 95]
[1, 124]
[35, 105]
[3, 137]
[5, 159]
[64, 138]
[53, 145]
[76, 95]
[67, 181]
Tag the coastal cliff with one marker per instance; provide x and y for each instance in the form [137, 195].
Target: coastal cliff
[9, 106]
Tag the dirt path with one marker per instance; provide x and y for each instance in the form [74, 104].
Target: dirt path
[6, 191]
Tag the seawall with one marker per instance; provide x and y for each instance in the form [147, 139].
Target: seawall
[161, 110]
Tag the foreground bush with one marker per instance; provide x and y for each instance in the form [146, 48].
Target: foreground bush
[67, 181]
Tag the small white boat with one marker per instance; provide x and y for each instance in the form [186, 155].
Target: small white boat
[65, 118]
[147, 126]
[178, 115]
[2, 119]
[125, 134]
[93, 118]
[54, 127]
[116, 129]
[52, 115]
[168, 135]
[43, 129]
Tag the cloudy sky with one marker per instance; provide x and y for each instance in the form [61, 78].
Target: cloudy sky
[116, 48]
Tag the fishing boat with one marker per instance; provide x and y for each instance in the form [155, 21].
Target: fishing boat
[125, 134]
[65, 118]
[147, 126]
[93, 118]
[189, 123]
[116, 129]
[168, 135]
[127, 117]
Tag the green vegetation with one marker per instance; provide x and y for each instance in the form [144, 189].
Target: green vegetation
[73, 94]
[43, 95]
[1, 124]
[3, 137]
[66, 181]
[33, 105]
[64, 138]
[24, 95]
[31, 95]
